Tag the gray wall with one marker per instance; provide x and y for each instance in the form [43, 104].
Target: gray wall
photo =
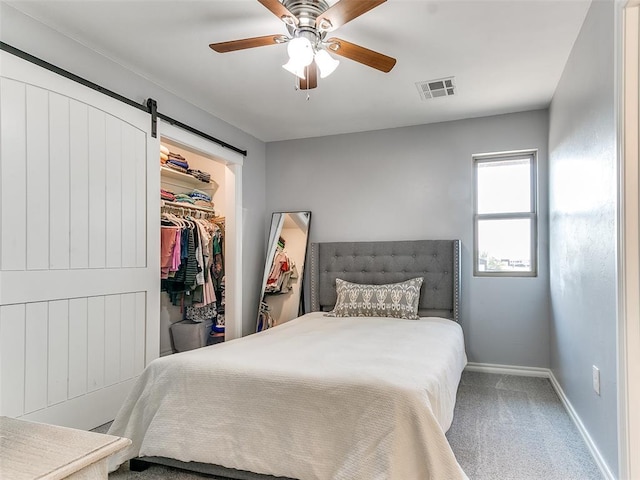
[583, 199]
[415, 183]
[37, 39]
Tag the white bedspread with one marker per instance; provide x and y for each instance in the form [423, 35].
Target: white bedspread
[315, 398]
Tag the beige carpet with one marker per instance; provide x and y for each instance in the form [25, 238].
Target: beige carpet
[505, 428]
[515, 428]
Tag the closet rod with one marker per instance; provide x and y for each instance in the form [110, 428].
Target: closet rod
[94, 86]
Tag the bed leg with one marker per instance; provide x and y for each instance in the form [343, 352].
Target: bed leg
[137, 465]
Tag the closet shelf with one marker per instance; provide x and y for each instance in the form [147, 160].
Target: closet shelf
[186, 181]
[186, 206]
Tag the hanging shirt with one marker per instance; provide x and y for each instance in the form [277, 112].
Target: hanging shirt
[167, 244]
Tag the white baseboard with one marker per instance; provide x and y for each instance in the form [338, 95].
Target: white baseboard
[547, 373]
[595, 453]
[508, 370]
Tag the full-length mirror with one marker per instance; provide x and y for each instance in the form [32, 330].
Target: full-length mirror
[281, 293]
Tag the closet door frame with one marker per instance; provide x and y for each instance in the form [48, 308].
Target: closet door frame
[233, 217]
[628, 110]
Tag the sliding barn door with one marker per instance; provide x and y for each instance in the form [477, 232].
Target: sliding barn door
[79, 248]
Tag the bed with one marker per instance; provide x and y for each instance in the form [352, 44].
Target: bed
[319, 397]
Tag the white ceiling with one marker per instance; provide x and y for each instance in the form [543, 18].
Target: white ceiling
[506, 56]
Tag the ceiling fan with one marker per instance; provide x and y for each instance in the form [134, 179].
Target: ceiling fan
[308, 22]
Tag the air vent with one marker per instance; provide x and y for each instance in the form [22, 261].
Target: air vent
[442, 87]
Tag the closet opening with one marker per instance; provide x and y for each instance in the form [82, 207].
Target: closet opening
[200, 208]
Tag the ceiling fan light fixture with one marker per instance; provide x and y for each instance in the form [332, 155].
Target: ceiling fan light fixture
[326, 63]
[295, 68]
[300, 51]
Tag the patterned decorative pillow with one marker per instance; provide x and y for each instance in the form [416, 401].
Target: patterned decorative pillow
[397, 300]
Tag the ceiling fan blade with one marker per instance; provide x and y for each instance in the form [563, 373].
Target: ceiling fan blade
[360, 54]
[280, 11]
[344, 11]
[311, 80]
[233, 45]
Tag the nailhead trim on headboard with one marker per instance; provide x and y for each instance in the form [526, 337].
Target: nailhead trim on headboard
[456, 280]
[315, 303]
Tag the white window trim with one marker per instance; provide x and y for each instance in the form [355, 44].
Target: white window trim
[532, 214]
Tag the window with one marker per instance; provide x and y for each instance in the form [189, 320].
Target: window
[505, 217]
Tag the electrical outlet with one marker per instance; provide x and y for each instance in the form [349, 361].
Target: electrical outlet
[596, 379]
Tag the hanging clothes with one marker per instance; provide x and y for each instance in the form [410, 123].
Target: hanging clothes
[265, 320]
[283, 273]
[192, 266]
[167, 247]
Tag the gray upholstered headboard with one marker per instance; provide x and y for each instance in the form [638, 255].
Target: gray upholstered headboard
[437, 261]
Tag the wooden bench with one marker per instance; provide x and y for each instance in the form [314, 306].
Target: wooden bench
[31, 451]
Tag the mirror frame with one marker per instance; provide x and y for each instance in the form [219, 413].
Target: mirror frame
[274, 233]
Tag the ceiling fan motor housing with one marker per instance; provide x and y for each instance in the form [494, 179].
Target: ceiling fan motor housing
[306, 10]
